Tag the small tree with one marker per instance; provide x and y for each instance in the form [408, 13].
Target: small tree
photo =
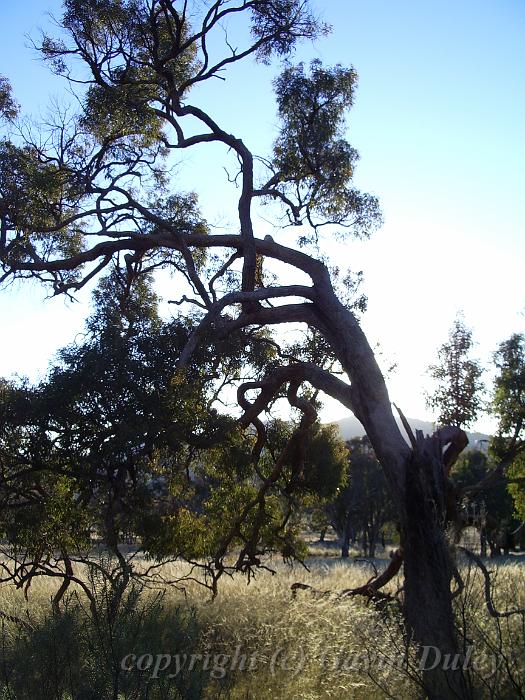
[490, 510]
[476, 477]
[508, 401]
[458, 380]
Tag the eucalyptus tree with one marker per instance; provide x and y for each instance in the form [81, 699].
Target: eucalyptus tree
[97, 188]
[364, 505]
[508, 401]
[96, 451]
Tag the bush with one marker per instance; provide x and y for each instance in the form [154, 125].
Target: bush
[76, 653]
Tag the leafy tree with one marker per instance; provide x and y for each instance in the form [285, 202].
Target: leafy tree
[476, 479]
[99, 188]
[509, 387]
[490, 510]
[509, 407]
[113, 445]
[457, 394]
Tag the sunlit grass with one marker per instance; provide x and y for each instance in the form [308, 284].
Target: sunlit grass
[314, 645]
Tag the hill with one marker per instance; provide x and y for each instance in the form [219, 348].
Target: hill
[350, 427]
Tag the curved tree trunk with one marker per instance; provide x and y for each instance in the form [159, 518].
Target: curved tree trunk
[416, 475]
[417, 479]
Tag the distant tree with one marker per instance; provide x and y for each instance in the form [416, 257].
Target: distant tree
[364, 505]
[508, 403]
[456, 398]
[478, 478]
[490, 510]
[316, 473]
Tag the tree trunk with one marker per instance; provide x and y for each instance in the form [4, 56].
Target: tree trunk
[428, 569]
[364, 544]
[417, 481]
[495, 550]
[372, 543]
[345, 548]
[507, 541]
[482, 542]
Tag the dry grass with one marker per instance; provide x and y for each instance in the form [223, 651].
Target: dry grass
[311, 646]
[316, 646]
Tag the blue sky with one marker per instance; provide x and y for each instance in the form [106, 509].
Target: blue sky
[439, 123]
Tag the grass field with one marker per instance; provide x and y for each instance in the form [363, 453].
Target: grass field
[254, 641]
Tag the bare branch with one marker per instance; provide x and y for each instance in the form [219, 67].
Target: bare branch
[488, 596]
